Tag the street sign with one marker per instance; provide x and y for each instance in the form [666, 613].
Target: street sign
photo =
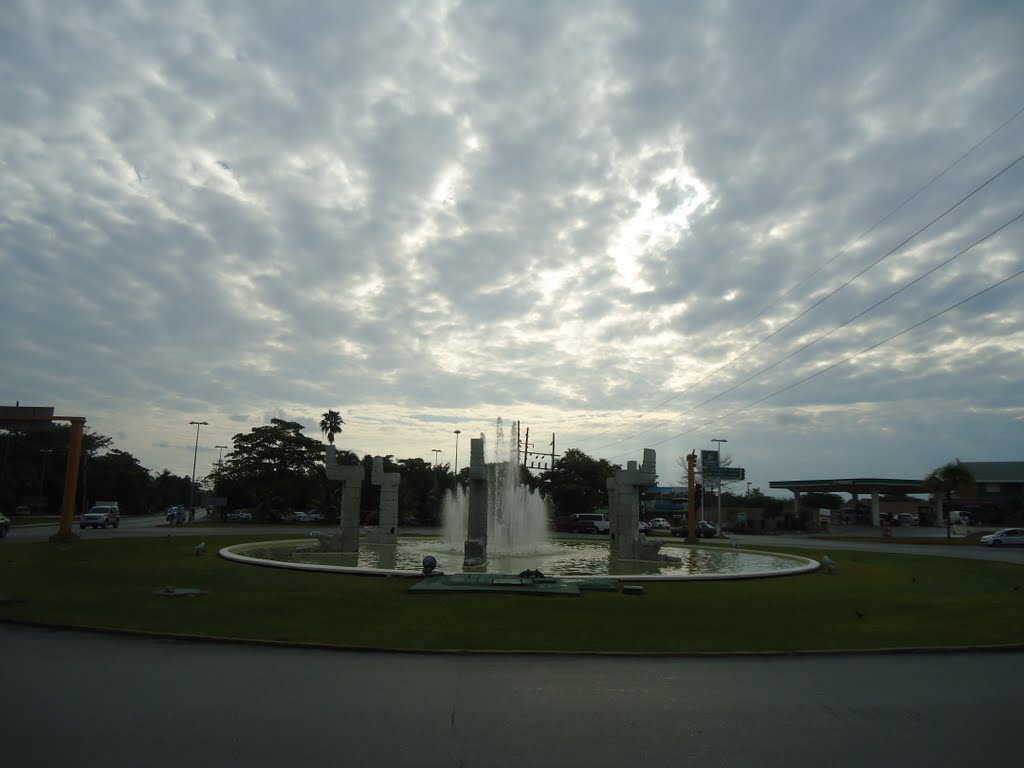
[728, 473]
[709, 459]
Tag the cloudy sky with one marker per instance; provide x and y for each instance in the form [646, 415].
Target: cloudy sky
[630, 224]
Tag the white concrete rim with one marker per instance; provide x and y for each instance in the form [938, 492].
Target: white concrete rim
[802, 565]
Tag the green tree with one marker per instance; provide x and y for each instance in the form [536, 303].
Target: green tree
[330, 425]
[118, 476]
[577, 482]
[34, 462]
[949, 480]
[276, 464]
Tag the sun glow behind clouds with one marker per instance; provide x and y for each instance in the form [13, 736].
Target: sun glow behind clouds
[661, 219]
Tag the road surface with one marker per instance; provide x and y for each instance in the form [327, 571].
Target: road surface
[89, 700]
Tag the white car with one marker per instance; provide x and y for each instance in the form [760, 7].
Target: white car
[1010, 537]
[100, 517]
[660, 524]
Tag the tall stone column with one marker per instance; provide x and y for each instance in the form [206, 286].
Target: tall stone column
[386, 531]
[351, 479]
[476, 527]
[624, 488]
[876, 509]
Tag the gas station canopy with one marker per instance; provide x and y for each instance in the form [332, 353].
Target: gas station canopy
[854, 486]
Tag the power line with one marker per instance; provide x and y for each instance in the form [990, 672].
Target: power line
[816, 304]
[860, 237]
[888, 216]
[809, 344]
[838, 362]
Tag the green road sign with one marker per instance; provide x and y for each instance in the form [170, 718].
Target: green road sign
[709, 459]
[728, 473]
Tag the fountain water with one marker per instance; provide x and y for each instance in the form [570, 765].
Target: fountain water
[517, 518]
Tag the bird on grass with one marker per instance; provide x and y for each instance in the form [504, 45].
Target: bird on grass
[200, 548]
[830, 566]
[859, 614]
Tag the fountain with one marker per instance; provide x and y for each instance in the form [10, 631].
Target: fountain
[498, 515]
[499, 526]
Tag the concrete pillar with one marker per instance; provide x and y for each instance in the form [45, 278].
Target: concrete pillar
[475, 552]
[876, 516]
[386, 531]
[351, 479]
[624, 488]
[796, 506]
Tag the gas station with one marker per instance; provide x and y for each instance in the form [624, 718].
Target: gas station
[876, 487]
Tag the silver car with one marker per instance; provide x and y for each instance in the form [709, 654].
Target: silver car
[1010, 537]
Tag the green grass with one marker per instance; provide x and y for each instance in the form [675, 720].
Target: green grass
[905, 601]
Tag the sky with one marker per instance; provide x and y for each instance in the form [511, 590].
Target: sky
[787, 225]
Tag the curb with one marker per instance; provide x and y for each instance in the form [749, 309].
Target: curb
[796, 653]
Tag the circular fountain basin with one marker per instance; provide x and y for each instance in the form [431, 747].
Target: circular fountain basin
[557, 558]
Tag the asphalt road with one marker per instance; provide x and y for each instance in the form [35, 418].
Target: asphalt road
[91, 700]
[132, 527]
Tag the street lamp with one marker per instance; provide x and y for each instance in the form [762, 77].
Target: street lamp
[195, 455]
[457, 433]
[719, 440]
[220, 457]
[436, 451]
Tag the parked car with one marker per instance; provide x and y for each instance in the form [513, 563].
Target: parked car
[588, 522]
[907, 518]
[660, 524]
[100, 516]
[1010, 537]
[959, 517]
[22, 510]
[238, 514]
[315, 516]
[644, 527]
[5, 524]
[294, 517]
[704, 530]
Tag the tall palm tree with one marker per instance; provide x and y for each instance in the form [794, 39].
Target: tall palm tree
[949, 479]
[330, 425]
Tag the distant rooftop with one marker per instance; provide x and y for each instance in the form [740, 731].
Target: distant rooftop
[995, 471]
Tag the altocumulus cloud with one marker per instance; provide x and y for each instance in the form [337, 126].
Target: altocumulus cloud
[584, 216]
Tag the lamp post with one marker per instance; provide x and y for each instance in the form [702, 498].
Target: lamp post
[195, 455]
[436, 451]
[457, 433]
[719, 440]
[220, 457]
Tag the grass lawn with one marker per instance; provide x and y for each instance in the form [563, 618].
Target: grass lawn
[873, 600]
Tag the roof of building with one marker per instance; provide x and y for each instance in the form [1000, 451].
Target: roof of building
[852, 485]
[995, 471]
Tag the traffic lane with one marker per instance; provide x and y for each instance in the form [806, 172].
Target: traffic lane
[970, 552]
[108, 701]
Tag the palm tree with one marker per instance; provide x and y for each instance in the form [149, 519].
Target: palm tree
[952, 478]
[330, 425]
